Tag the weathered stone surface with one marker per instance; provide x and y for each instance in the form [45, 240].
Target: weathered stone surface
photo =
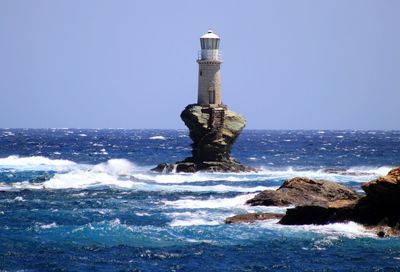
[213, 131]
[323, 202]
[252, 217]
[384, 189]
[381, 206]
[304, 192]
[337, 211]
[379, 209]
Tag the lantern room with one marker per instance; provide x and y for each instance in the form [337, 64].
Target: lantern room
[209, 41]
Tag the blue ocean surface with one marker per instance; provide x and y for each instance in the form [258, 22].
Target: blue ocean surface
[86, 200]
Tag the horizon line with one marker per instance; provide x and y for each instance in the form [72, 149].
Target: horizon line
[260, 129]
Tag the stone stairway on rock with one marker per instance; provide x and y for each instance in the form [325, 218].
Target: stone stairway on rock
[217, 117]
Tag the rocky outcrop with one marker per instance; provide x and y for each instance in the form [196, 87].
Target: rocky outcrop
[213, 131]
[252, 217]
[385, 189]
[378, 209]
[323, 202]
[304, 192]
[381, 205]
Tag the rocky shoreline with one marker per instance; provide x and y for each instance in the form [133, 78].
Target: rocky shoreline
[324, 202]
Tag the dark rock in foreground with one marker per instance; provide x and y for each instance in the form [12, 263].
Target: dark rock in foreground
[304, 192]
[252, 217]
[323, 202]
[338, 211]
[213, 131]
[380, 207]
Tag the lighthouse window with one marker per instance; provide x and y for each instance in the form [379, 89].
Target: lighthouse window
[201, 73]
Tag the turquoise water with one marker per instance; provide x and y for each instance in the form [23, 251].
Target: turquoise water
[78, 200]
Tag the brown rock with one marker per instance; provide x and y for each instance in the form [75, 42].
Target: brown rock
[251, 217]
[379, 209]
[384, 189]
[304, 192]
[395, 172]
[382, 201]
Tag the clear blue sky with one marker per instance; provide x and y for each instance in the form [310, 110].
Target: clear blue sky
[132, 64]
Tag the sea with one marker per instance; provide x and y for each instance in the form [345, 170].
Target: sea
[86, 200]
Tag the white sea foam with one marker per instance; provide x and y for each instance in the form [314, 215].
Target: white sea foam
[48, 226]
[158, 137]
[194, 219]
[103, 174]
[373, 171]
[35, 163]
[121, 173]
[190, 211]
[19, 199]
[211, 203]
[192, 222]
[8, 133]
[349, 229]
[220, 188]
[199, 177]
[142, 214]
[115, 167]
[15, 186]
[80, 179]
[356, 174]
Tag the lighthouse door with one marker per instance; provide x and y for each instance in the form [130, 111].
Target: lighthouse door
[212, 96]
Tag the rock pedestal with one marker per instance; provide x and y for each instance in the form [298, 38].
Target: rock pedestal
[213, 130]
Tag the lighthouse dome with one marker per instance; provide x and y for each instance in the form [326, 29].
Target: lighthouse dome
[210, 40]
[210, 35]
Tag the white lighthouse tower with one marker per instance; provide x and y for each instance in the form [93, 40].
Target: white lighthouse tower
[209, 61]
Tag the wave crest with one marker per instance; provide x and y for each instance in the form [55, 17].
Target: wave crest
[35, 163]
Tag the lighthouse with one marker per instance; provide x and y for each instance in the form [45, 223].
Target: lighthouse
[209, 60]
[213, 128]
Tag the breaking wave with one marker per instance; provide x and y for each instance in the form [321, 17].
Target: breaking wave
[211, 203]
[355, 174]
[190, 211]
[122, 173]
[35, 163]
[332, 231]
